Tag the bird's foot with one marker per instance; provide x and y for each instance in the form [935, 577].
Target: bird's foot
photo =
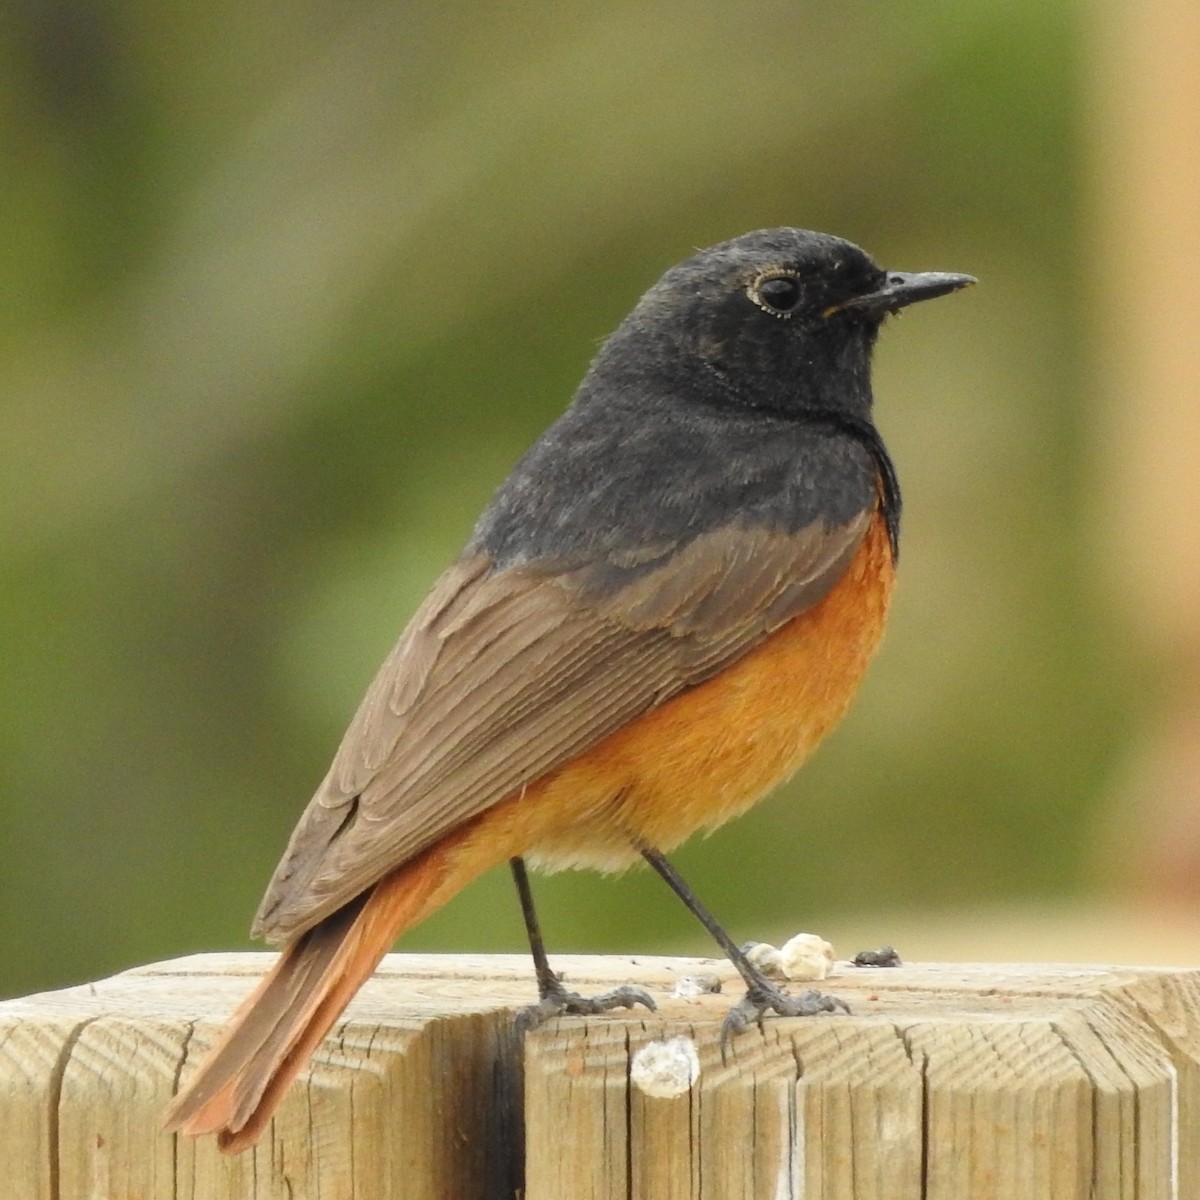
[765, 997]
[556, 1001]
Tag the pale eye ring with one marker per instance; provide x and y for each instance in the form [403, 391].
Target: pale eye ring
[778, 294]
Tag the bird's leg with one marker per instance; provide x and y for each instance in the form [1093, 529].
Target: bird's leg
[762, 996]
[553, 998]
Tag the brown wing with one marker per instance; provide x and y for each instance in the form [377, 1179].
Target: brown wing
[504, 675]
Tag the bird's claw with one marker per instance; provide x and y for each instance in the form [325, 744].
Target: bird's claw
[558, 1002]
[758, 1001]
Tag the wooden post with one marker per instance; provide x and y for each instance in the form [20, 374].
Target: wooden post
[946, 1083]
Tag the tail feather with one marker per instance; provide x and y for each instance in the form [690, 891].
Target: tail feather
[277, 1027]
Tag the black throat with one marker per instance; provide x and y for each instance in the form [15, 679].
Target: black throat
[868, 437]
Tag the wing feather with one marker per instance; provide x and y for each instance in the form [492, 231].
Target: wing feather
[504, 675]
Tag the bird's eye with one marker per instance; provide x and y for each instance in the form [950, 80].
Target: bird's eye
[778, 294]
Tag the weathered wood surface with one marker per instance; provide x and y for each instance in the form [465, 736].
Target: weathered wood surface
[946, 1083]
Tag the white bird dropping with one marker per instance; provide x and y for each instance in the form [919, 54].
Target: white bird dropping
[665, 1069]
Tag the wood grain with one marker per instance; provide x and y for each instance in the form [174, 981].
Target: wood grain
[947, 1081]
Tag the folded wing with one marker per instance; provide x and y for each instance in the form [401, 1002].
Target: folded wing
[504, 675]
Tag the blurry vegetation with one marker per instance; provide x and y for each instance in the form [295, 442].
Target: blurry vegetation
[288, 287]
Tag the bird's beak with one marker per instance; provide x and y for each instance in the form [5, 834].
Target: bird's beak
[902, 289]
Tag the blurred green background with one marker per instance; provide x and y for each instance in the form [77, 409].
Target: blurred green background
[288, 287]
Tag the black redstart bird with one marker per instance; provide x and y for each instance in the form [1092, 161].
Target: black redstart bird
[662, 611]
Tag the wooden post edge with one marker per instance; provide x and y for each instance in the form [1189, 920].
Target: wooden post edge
[945, 1081]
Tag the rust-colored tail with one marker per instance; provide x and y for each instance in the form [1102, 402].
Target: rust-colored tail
[271, 1035]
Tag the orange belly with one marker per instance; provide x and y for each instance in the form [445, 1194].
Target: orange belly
[710, 753]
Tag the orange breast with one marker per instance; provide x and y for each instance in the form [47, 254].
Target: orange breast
[710, 753]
